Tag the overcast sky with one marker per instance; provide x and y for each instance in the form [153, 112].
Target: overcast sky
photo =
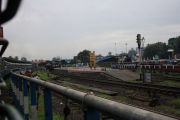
[43, 29]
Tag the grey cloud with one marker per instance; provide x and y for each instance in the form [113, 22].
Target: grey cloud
[46, 28]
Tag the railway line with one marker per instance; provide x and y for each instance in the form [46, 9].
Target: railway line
[165, 77]
[144, 108]
[115, 84]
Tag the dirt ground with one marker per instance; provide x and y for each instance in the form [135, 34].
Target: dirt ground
[125, 75]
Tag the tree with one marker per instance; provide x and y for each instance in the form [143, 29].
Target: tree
[10, 57]
[109, 53]
[24, 59]
[16, 58]
[56, 59]
[84, 56]
[132, 54]
[174, 43]
[75, 59]
[156, 49]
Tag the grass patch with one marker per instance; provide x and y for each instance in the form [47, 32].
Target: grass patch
[45, 75]
[169, 109]
[173, 74]
[105, 96]
[56, 116]
[66, 79]
[136, 81]
[177, 75]
[75, 87]
[123, 99]
[169, 83]
[41, 113]
[175, 103]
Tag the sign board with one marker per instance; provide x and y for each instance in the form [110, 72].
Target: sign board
[147, 77]
[170, 50]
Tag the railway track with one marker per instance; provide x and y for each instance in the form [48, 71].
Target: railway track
[148, 109]
[166, 77]
[115, 83]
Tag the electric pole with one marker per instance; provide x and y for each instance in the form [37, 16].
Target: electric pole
[126, 47]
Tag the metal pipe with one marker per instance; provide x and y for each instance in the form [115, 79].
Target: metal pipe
[9, 112]
[2, 83]
[119, 110]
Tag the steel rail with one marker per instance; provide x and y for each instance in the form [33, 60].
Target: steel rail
[157, 88]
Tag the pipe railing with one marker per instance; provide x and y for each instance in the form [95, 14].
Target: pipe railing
[94, 105]
[7, 112]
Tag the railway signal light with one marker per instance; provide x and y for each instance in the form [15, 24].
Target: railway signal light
[139, 40]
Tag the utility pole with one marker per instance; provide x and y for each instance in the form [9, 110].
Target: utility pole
[115, 49]
[126, 47]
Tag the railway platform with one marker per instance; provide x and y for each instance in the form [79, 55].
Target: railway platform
[79, 69]
[125, 75]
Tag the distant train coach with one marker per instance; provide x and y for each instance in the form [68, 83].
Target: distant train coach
[158, 67]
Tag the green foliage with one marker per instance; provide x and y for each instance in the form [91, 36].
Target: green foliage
[174, 43]
[132, 53]
[45, 75]
[56, 116]
[174, 103]
[170, 83]
[84, 56]
[24, 59]
[169, 109]
[158, 48]
[41, 113]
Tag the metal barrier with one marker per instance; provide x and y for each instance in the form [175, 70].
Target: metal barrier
[7, 112]
[94, 105]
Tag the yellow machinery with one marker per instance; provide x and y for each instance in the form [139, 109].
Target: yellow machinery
[92, 60]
